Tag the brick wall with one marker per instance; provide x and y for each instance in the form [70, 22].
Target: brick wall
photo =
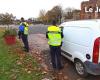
[86, 5]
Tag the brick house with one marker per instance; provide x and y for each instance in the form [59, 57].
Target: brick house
[90, 9]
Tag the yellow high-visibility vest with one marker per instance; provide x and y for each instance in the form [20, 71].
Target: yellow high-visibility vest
[26, 28]
[54, 36]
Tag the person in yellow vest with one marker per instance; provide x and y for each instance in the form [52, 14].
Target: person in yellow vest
[54, 36]
[23, 34]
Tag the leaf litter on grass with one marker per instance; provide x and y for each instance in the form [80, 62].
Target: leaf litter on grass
[21, 66]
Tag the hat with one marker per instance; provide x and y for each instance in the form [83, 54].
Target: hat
[22, 19]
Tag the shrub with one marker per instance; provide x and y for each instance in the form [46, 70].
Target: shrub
[10, 31]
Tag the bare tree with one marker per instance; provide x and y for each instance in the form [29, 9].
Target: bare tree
[42, 15]
[68, 13]
[54, 14]
[58, 13]
[6, 19]
[50, 15]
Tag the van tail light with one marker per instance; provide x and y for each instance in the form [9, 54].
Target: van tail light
[96, 51]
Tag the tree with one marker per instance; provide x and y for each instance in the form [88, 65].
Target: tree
[6, 19]
[54, 14]
[76, 14]
[50, 15]
[42, 15]
[57, 10]
[68, 13]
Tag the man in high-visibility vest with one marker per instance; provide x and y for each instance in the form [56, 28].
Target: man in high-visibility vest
[55, 35]
[23, 34]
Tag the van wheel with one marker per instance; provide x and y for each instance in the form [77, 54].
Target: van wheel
[80, 68]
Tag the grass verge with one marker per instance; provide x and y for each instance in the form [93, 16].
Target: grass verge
[16, 65]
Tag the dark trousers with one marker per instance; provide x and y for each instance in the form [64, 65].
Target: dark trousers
[25, 41]
[55, 52]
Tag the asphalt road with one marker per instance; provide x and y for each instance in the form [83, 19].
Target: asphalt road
[69, 69]
[38, 29]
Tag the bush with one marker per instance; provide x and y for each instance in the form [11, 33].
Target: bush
[10, 31]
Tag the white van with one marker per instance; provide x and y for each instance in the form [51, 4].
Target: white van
[81, 45]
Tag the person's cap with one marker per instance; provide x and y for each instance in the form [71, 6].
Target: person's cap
[22, 19]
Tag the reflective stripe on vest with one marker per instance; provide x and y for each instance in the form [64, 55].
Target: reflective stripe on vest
[54, 35]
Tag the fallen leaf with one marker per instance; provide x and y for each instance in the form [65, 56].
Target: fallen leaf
[40, 59]
[28, 72]
[39, 69]
[55, 78]
[13, 77]
[44, 72]
[26, 69]
[21, 58]
[19, 63]
[35, 68]
[45, 67]
[37, 74]
[65, 77]
[45, 79]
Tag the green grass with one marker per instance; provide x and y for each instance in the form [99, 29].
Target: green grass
[15, 67]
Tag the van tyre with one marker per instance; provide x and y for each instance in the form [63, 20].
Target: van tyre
[80, 68]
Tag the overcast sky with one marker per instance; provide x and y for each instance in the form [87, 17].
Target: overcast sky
[31, 8]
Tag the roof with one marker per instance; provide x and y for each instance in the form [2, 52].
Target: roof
[91, 23]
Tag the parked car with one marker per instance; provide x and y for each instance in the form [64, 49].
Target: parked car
[81, 45]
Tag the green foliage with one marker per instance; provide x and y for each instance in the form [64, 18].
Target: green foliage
[10, 31]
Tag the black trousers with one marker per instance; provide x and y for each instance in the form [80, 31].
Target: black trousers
[25, 41]
[55, 52]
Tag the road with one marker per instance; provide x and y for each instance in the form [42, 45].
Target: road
[37, 37]
[38, 29]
